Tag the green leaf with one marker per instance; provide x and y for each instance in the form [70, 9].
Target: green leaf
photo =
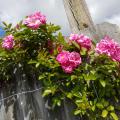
[58, 103]
[83, 51]
[90, 76]
[37, 65]
[76, 45]
[77, 112]
[103, 83]
[5, 24]
[41, 77]
[110, 108]
[69, 95]
[32, 62]
[100, 105]
[93, 108]
[51, 28]
[73, 77]
[104, 113]
[67, 84]
[105, 103]
[47, 92]
[115, 117]
[61, 38]
[9, 26]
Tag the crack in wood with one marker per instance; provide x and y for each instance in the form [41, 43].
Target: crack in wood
[78, 25]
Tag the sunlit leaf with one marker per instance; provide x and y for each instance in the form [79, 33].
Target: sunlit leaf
[104, 113]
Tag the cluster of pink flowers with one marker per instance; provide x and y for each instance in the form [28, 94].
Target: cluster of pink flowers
[82, 40]
[35, 20]
[8, 42]
[69, 61]
[109, 47]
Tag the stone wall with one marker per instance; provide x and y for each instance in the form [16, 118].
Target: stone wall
[109, 29]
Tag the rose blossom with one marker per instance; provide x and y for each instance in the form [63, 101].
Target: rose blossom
[62, 57]
[74, 59]
[67, 69]
[35, 20]
[104, 46]
[82, 40]
[8, 42]
[69, 61]
[109, 47]
[116, 54]
[74, 37]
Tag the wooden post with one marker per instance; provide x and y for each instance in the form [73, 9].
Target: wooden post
[79, 17]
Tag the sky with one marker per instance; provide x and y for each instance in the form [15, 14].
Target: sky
[2, 32]
[105, 10]
[13, 11]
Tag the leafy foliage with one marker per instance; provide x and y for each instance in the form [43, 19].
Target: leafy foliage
[93, 87]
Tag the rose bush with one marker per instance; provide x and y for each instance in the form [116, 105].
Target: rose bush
[77, 70]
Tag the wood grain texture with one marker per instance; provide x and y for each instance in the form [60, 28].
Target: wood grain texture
[78, 15]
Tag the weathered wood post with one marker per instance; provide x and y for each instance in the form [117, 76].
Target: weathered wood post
[78, 15]
[79, 18]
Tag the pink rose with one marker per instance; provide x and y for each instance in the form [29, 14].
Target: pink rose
[116, 55]
[82, 40]
[104, 46]
[69, 61]
[74, 37]
[67, 69]
[109, 47]
[35, 20]
[62, 57]
[8, 42]
[74, 59]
